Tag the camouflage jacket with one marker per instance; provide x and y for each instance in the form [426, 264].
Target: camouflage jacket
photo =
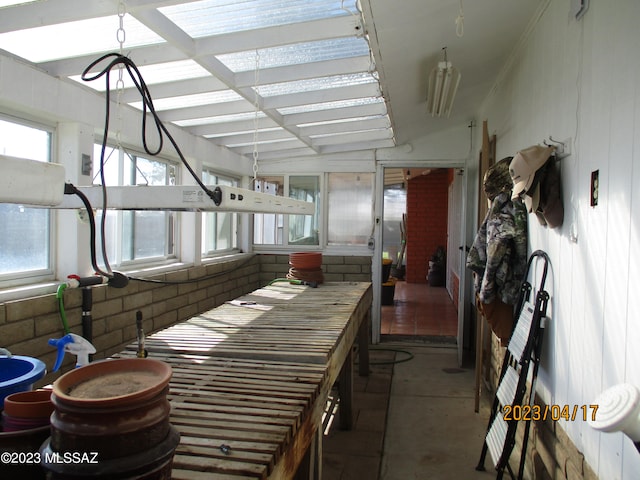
[499, 252]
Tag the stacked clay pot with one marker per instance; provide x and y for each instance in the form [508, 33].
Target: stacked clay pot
[115, 410]
[306, 266]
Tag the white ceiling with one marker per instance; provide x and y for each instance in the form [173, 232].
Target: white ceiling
[327, 80]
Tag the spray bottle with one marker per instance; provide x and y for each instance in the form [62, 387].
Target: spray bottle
[74, 344]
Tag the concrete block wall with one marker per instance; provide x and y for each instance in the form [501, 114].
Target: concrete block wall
[427, 216]
[26, 325]
[335, 268]
[550, 455]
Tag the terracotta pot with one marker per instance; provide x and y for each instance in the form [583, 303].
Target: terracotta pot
[119, 410]
[32, 404]
[112, 383]
[305, 260]
[26, 410]
[154, 463]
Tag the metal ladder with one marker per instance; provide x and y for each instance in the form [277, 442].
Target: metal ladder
[523, 353]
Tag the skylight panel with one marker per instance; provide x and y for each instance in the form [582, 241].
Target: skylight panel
[330, 105]
[314, 84]
[195, 100]
[214, 17]
[218, 119]
[151, 74]
[53, 42]
[341, 120]
[296, 54]
[244, 132]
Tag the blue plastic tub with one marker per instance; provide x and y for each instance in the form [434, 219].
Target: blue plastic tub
[18, 374]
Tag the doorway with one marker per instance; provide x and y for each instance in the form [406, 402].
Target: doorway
[421, 232]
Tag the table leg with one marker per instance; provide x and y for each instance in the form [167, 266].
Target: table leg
[363, 345]
[311, 466]
[345, 392]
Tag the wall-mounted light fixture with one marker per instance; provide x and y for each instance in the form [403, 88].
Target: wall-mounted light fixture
[443, 85]
[42, 184]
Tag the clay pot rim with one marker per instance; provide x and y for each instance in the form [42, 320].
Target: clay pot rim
[29, 404]
[305, 260]
[119, 365]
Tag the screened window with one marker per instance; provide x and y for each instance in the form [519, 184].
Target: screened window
[25, 243]
[219, 229]
[350, 217]
[278, 229]
[136, 236]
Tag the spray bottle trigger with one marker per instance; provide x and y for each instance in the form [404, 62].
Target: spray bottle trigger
[60, 343]
[74, 344]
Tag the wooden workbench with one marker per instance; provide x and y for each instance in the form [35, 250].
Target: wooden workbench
[251, 379]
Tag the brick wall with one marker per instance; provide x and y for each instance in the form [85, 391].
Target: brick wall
[427, 209]
[335, 268]
[550, 455]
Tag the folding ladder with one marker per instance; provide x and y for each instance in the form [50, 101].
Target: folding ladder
[523, 353]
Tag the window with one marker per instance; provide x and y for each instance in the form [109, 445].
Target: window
[303, 229]
[25, 243]
[136, 236]
[219, 229]
[278, 229]
[350, 208]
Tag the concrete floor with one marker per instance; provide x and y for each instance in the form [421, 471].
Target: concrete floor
[414, 419]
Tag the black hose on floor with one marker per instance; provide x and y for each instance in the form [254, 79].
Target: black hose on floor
[392, 362]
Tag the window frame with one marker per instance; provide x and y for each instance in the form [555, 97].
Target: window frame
[279, 218]
[172, 230]
[47, 273]
[233, 181]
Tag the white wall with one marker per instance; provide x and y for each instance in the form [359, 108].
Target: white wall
[580, 80]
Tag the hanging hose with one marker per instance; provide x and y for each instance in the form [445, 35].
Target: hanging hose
[63, 316]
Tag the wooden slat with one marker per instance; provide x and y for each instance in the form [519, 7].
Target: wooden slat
[254, 375]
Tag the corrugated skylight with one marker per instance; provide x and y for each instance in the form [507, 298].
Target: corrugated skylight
[313, 84]
[215, 17]
[304, 65]
[296, 54]
[152, 74]
[330, 105]
[72, 39]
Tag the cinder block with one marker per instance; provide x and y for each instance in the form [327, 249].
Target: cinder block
[30, 307]
[16, 332]
[136, 301]
[120, 321]
[344, 269]
[333, 260]
[50, 325]
[164, 292]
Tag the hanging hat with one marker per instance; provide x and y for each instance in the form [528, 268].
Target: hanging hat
[532, 199]
[497, 178]
[524, 165]
[550, 206]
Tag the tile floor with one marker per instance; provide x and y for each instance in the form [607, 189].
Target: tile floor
[414, 419]
[420, 309]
